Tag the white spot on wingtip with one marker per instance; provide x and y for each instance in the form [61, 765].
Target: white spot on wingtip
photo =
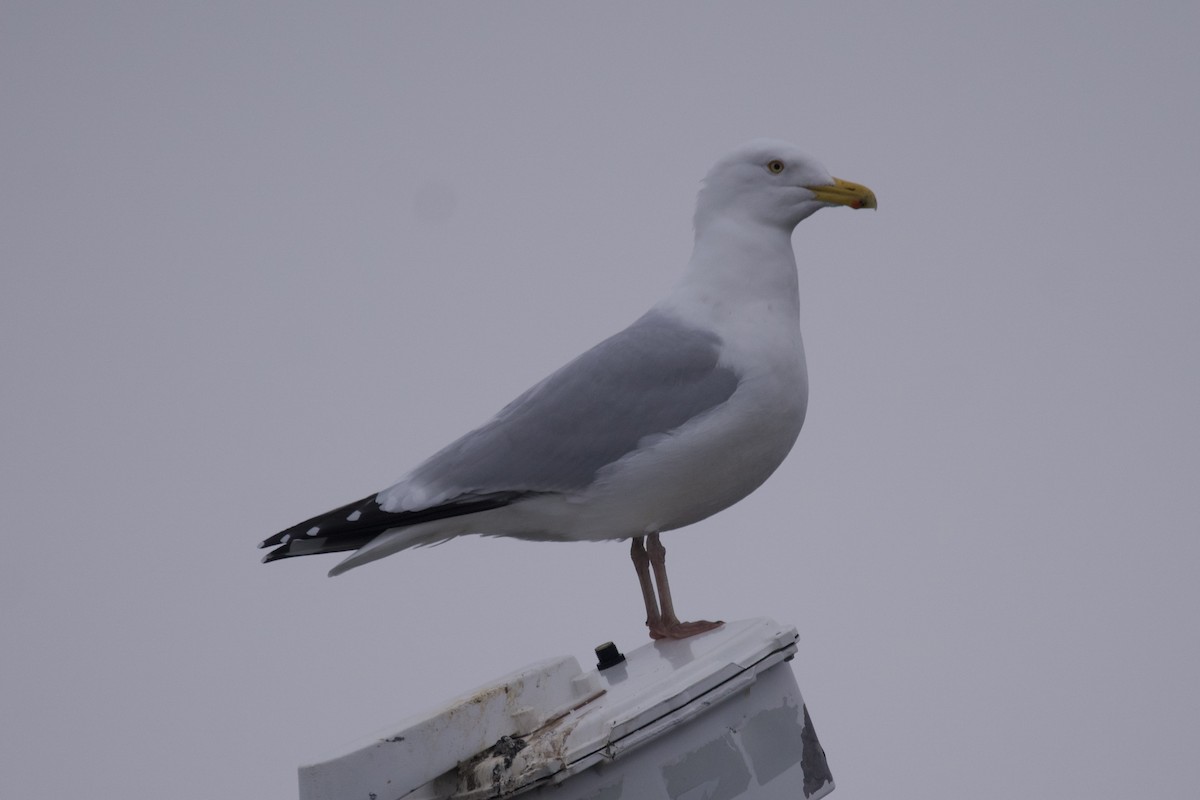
[287, 538]
[354, 517]
[313, 530]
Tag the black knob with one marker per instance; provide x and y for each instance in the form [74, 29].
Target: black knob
[607, 655]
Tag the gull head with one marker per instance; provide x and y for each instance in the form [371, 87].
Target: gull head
[773, 183]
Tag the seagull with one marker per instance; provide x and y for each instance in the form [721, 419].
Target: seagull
[678, 416]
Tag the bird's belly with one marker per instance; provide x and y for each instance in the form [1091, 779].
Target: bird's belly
[694, 472]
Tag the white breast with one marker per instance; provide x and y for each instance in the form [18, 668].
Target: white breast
[714, 461]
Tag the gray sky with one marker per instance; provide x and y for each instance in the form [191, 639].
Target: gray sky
[260, 260]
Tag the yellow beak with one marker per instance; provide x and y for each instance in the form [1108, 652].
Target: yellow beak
[845, 193]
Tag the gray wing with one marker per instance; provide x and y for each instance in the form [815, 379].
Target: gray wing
[648, 379]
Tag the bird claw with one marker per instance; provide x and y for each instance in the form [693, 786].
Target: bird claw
[681, 630]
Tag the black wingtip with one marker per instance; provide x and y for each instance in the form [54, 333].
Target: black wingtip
[355, 524]
[280, 538]
[275, 555]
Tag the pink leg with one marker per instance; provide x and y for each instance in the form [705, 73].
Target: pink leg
[669, 626]
[641, 563]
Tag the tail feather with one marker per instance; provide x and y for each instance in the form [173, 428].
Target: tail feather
[353, 525]
[308, 547]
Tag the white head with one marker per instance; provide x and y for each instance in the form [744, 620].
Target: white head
[773, 183]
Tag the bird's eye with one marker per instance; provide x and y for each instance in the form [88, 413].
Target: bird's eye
[775, 166]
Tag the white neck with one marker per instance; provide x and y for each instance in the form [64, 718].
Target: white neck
[753, 263]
